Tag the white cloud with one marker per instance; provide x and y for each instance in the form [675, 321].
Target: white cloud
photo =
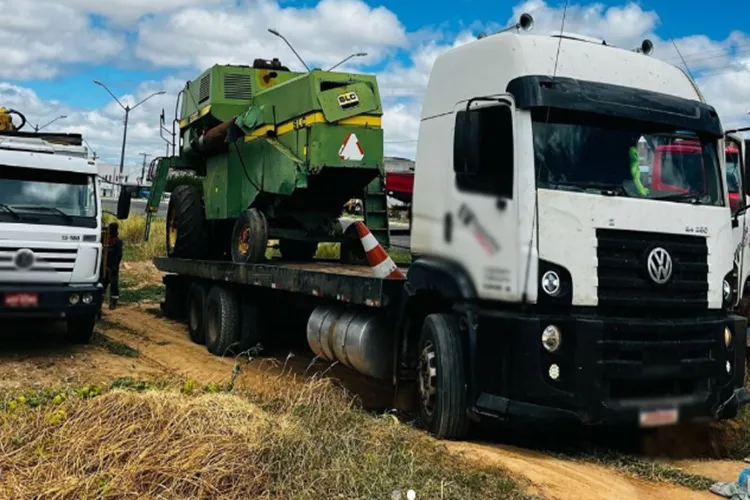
[323, 35]
[127, 11]
[41, 36]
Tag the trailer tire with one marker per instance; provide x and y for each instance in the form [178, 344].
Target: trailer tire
[175, 300]
[196, 313]
[442, 378]
[298, 250]
[81, 329]
[222, 322]
[250, 237]
[185, 223]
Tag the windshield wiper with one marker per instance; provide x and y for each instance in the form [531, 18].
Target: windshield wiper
[10, 211]
[47, 209]
[695, 198]
[606, 188]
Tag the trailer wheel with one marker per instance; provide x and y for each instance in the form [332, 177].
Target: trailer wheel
[250, 237]
[251, 329]
[222, 322]
[185, 222]
[196, 306]
[298, 250]
[81, 329]
[175, 299]
[442, 378]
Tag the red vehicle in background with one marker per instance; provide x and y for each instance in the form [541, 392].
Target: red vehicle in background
[678, 165]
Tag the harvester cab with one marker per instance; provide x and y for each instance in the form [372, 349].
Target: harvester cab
[276, 154]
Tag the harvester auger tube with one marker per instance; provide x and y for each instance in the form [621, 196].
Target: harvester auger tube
[212, 140]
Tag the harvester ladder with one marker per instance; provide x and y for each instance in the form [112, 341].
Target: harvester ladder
[376, 211]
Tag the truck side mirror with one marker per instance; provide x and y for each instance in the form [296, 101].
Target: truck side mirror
[123, 203]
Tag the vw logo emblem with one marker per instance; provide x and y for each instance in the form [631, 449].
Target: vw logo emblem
[659, 265]
[24, 259]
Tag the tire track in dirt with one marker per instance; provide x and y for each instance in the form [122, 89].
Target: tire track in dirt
[569, 480]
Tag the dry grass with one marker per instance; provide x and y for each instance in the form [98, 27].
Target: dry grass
[132, 231]
[169, 443]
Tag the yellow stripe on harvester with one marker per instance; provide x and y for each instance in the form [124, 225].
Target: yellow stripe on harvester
[311, 119]
[198, 114]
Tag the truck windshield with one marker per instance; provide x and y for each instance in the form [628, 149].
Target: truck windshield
[594, 153]
[47, 196]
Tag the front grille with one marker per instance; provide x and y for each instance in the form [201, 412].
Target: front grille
[640, 361]
[45, 259]
[625, 286]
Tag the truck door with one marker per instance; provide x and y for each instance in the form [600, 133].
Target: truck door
[481, 230]
[738, 189]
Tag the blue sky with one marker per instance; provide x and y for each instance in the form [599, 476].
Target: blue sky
[54, 49]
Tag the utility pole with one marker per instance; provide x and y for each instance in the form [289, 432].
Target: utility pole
[127, 108]
[143, 169]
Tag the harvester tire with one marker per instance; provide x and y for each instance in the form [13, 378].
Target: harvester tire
[298, 250]
[442, 378]
[185, 223]
[250, 237]
[222, 322]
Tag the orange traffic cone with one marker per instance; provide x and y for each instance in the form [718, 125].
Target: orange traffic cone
[381, 263]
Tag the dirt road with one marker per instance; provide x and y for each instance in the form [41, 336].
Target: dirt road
[164, 350]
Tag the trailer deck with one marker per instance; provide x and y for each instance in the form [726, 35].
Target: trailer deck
[323, 278]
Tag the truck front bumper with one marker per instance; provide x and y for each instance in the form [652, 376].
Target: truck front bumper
[606, 370]
[52, 302]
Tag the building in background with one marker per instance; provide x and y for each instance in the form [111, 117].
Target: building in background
[110, 180]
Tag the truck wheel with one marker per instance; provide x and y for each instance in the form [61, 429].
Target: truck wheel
[222, 322]
[196, 313]
[442, 378]
[298, 250]
[81, 329]
[250, 237]
[175, 300]
[185, 218]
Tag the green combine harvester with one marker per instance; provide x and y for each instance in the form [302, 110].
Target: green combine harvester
[276, 154]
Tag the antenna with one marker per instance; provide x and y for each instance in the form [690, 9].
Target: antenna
[682, 59]
[358, 54]
[276, 33]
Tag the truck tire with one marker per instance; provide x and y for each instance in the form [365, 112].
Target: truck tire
[175, 300]
[442, 378]
[297, 250]
[222, 322]
[81, 329]
[185, 223]
[196, 313]
[250, 237]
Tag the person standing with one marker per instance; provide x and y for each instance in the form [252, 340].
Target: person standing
[114, 257]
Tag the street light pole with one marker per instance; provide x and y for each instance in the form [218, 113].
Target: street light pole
[127, 109]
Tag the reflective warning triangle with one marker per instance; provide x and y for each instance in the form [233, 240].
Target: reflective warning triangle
[351, 149]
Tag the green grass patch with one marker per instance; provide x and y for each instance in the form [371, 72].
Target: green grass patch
[115, 347]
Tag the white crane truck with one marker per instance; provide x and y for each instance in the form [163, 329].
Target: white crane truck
[50, 231]
[547, 283]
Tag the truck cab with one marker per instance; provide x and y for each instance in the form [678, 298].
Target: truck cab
[50, 232]
[574, 290]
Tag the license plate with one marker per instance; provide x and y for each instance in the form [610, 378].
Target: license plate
[657, 418]
[21, 300]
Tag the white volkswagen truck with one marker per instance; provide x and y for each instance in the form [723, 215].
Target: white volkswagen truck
[50, 231]
[583, 294]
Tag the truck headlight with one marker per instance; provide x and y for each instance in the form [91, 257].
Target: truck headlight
[551, 338]
[551, 283]
[74, 299]
[87, 298]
